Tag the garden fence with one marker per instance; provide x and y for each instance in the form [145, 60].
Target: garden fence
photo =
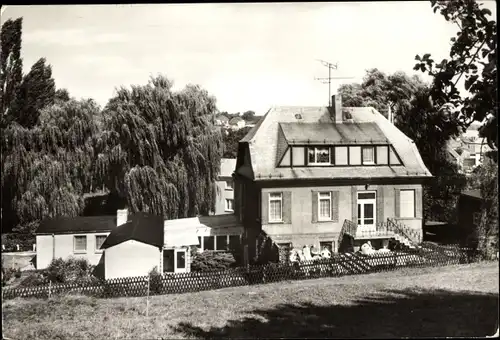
[339, 265]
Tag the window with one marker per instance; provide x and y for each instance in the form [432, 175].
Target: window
[200, 244]
[275, 207]
[181, 259]
[341, 155]
[319, 155]
[382, 155]
[407, 203]
[368, 153]
[325, 206]
[355, 155]
[229, 204]
[326, 244]
[99, 240]
[221, 242]
[80, 244]
[476, 218]
[229, 185]
[298, 155]
[234, 241]
[208, 243]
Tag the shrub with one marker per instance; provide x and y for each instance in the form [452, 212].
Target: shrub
[70, 270]
[155, 281]
[34, 279]
[211, 260]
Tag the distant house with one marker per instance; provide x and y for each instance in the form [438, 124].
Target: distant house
[134, 247]
[253, 121]
[221, 120]
[469, 212]
[79, 237]
[225, 188]
[236, 123]
[308, 175]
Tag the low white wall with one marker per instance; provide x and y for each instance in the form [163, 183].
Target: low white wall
[131, 258]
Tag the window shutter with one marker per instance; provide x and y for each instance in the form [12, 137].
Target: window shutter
[314, 206]
[396, 203]
[418, 203]
[332, 155]
[306, 156]
[265, 208]
[335, 206]
[287, 207]
[354, 204]
[380, 204]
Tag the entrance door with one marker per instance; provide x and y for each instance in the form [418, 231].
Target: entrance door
[367, 201]
[168, 261]
[180, 261]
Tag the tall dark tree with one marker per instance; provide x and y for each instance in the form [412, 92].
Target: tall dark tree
[36, 92]
[231, 139]
[62, 96]
[473, 55]
[160, 148]
[11, 64]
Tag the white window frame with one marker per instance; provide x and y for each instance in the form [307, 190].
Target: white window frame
[275, 199]
[316, 156]
[229, 185]
[372, 162]
[74, 244]
[227, 204]
[323, 196]
[97, 249]
[363, 201]
[401, 203]
[176, 254]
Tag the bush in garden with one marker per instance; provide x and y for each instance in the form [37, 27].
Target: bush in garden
[70, 270]
[34, 279]
[210, 260]
[155, 281]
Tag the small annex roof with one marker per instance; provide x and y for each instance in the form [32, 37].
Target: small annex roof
[77, 225]
[141, 227]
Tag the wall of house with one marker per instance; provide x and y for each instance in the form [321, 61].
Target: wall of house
[131, 258]
[299, 227]
[223, 193]
[64, 248]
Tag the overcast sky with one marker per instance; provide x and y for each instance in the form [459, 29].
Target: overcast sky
[249, 56]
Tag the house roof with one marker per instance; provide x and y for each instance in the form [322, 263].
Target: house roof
[227, 167]
[220, 221]
[141, 227]
[235, 120]
[475, 193]
[77, 225]
[263, 143]
[222, 118]
[317, 133]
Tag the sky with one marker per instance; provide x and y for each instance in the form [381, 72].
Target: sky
[250, 56]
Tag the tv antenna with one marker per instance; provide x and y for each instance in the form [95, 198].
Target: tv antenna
[328, 80]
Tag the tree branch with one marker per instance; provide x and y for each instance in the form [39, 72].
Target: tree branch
[471, 61]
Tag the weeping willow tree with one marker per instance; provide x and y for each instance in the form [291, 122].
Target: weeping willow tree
[160, 150]
[47, 169]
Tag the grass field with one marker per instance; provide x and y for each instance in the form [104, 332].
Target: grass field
[457, 300]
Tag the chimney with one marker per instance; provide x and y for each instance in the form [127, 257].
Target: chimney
[337, 108]
[121, 216]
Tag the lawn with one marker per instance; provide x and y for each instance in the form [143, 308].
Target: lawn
[459, 300]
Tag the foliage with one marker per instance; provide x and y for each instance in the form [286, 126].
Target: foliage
[69, 270]
[24, 240]
[381, 91]
[473, 54]
[155, 281]
[231, 139]
[36, 92]
[11, 64]
[211, 260]
[37, 278]
[161, 150]
[485, 178]
[248, 115]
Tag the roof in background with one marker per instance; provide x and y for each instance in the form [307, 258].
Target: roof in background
[475, 193]
[141, 227]
[222, 117]
[235, 120]
[263, 145]
[227, 167]
[77, 225]
[317, 133]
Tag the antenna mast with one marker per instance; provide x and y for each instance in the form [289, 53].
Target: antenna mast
[328, 80]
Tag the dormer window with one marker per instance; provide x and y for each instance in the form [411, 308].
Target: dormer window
[368, 153]
[319, 156]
